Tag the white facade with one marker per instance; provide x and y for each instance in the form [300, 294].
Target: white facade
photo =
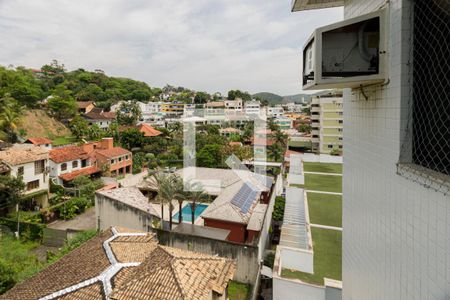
[57, 169]
[252, 107]
[275, 111]
[233, 105]
[396, 232]
[103, 124]
[293, 107]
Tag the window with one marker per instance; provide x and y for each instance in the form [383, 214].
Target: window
[430, 85]
[340, 138]
[32, 185]
[120, 159]
[20, 171]
[39, 167]
[340, 129]
[113, 161]
[75, 164]
[340, 146]
[126, 157]
[330, 146]
[63, 167]
[340, 121]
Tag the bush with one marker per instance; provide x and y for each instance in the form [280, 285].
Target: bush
[278, 209]
[7, 276]
[68, 209]
[28, 231]
[55, 188]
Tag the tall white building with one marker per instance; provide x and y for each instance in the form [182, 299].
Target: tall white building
[252, 107]
[396, 181]
[275, 111]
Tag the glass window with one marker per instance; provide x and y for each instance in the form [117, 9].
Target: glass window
[20, 171]
[39, 167]
[63, 167]
[75, 164]
[32, 185]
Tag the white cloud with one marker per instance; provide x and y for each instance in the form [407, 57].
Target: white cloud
[206, 45]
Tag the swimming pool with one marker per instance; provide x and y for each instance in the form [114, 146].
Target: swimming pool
[186, 212]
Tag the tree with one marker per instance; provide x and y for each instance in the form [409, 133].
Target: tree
[11, 190]
[201, 97]
[276, 151]
[129, 113]
[9, 120]
[233, 94]
[210, 156]
[94, 132]
[304, 128]
[61, 104]
[79, 127]
[193, 192]
[132, 138]
[168, 190]
[139, 160]
[280, 138]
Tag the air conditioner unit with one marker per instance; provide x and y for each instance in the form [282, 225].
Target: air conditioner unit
[347, 54]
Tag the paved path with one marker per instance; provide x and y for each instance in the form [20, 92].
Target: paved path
[84, 221]
[322, 192]
[326, 227]
[321, 173]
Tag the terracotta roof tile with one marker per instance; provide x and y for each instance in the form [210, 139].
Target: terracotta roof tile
[81, 172]
[21, 154]
[91, 292]
[170, 273]
[83, 263]
[165, 273]
[39, 141]
[98, 114]
[84, 104]
[148, 130]
[68, 153]
[113, 152]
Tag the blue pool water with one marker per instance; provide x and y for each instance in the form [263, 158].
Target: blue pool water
[186, 212]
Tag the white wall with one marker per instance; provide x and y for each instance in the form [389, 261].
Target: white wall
[396, 232]
[114, 213]
[296, 259]
[55, 168]
[287, 289]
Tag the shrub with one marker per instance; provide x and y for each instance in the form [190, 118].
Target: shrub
[278, 209]
[28, 230]
[7, 276]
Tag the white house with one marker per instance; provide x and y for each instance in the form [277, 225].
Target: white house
[275, 111]
[66, 163]
[101, 118]
[41, 142]
[252, 107]
[31, 163]
[233, 105]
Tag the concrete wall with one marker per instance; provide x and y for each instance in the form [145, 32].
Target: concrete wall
[110, 212]
[246, 256]
[296, 259]
[396, 232]
[284, 289]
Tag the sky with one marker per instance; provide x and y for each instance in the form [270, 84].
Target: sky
[204, 45]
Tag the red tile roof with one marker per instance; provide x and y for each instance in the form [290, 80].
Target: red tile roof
[68, 153]
[39, 141]
[81, 172]
[98, 114]
[84, 104]
[261, 141]
[149, 130]
[113, 152]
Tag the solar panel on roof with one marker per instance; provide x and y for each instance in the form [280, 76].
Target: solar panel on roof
[244, 198]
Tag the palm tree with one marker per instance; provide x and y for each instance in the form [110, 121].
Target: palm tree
[169, 188]
[9, 120]
[195, 194]
[280, 138]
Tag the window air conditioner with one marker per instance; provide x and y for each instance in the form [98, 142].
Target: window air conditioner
[347, 54]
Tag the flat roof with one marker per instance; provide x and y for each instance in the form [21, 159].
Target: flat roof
[299, 5]
[203, 231]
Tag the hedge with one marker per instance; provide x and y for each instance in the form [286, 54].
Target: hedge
[28, 230]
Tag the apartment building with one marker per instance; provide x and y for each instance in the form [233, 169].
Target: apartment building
[252, 107]
[172, 108]
[327, 123]
[31, 163]
[275, 111]
[396, 178]
[233, 105]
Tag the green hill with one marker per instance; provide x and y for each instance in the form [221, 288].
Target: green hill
[269, 97]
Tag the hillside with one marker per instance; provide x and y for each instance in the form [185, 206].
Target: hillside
[36, 123]
[269, 97]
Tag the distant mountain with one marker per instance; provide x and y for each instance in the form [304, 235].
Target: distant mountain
[269, 97]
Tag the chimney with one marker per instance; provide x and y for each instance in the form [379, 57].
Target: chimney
[88, 147]
[107, 143]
